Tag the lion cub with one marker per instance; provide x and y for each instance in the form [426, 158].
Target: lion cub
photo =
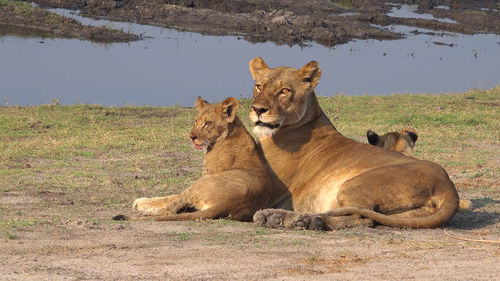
[234, 183]
[404, 142]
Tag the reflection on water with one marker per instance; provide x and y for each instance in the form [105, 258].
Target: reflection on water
[171, 67]
[409, 12]
[443, 7]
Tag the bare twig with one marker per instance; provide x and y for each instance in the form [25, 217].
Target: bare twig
[472, 240]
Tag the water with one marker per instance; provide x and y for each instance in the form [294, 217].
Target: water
[175, 67]
[409, 11]
[444, 7]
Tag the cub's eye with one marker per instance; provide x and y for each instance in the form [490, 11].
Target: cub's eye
[284, 91]
[208, 123]
[259, 87]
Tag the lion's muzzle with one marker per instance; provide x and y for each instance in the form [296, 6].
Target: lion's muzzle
[270, 126]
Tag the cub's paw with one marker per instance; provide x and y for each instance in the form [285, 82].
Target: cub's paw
[279, 218]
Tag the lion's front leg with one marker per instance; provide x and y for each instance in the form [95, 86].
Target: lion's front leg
[279, 218]
[157, 205]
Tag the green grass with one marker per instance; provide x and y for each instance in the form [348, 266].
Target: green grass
[344, 4]
[14, 3]
[145, 151]
[10, 227]
[181, 236]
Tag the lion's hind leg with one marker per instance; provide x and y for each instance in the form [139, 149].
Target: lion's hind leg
[157, 205]
[279, 218]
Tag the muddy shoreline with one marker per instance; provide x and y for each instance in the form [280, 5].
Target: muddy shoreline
[22, 19]
[292, 22]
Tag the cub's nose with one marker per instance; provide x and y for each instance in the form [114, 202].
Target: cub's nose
[259, 110]
[192, 136]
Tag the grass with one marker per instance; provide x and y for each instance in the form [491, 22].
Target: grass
[10, 227]
[84, 147]
[111, 155]
[455, 130]
[344, 4]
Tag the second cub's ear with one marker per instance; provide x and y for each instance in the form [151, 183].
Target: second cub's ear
[258, 68]
[200, 103]
[310, 73]
[372, 137]
[229, 108]
[413, 136]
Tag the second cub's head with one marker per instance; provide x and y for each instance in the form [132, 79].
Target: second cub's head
[211, 125]
[402, 142]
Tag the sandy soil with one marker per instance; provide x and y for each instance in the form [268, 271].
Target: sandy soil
[71, 237]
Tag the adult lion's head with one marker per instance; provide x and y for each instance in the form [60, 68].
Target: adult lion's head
[281, 95]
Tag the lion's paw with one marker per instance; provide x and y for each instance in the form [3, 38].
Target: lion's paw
[279, 218]
[139, 204]
[145, 207]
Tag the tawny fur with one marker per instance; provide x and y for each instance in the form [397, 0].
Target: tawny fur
[234, 183]
[315, 169]
[404, 143]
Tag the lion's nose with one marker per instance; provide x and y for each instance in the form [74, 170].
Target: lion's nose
[193, 136]
[259, 110]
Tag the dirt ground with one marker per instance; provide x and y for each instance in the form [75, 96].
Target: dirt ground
[66, 170]
[292, 22]
[85, 245]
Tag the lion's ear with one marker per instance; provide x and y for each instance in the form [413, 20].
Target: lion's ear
[229, 108]
[200, 103]
[258, 68]
[372, 137]
[413, 135]
[310, 73]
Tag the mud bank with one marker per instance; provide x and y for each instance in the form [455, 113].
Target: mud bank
[23, 19]
[293, 22]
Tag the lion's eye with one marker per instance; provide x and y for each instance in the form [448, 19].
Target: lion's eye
[258, 86]
[208, 123]
[284, 91]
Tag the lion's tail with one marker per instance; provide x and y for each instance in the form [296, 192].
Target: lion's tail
[444, 213]
[210, 213]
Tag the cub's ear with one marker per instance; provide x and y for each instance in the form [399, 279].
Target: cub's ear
[372, 137]
[229, 108]
[310, 73]
[413, 136]
[200, 103]
[258, 68]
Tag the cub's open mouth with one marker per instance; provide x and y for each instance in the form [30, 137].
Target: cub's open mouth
[270, 126]
[197, 146]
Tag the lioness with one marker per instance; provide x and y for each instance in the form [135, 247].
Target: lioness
[404, 142]
[329, 175]
[234, 181]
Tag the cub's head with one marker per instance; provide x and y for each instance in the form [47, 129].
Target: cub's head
[281, 95]
[211, 125]
[402, 142]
